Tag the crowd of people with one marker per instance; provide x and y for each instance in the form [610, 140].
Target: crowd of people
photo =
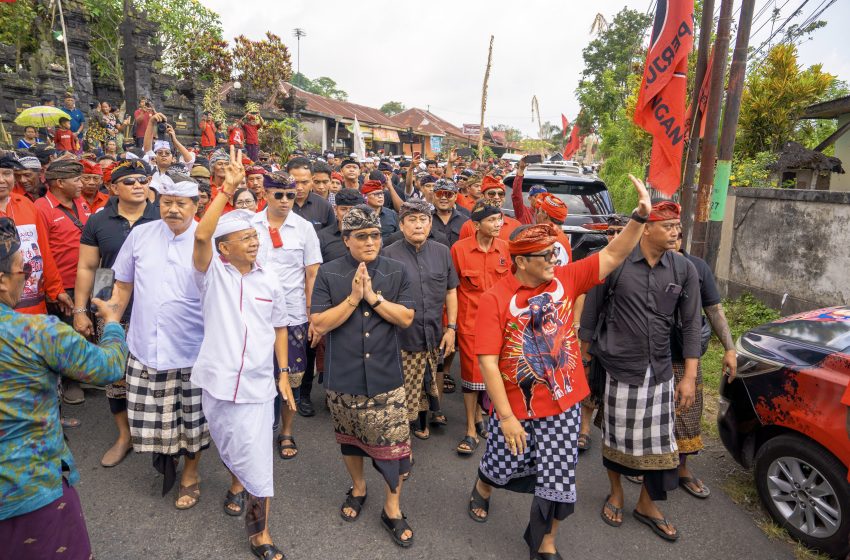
[242, 280]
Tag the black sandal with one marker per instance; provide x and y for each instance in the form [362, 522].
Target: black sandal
[267, 552]
[477, 501]
[281, 446]
[656, 523]
[396, 528]
[438, 419]
[352, 502]
[546, 556]
[481, 428]
[612, 521]
[237, 499]
[470, 442]
[584, 442]
[449, 385]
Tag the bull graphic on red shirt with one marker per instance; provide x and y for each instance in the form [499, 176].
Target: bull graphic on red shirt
[544, 352]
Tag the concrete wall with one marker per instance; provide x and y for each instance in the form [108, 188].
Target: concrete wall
[790, 248]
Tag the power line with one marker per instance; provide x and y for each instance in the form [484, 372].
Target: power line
[780, 28]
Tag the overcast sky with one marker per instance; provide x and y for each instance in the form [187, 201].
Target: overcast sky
[383, 51]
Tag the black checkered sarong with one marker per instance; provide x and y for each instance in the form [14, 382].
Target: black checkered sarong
[549, 461]
[638, 424]
[117, 390]
[164, 410]
[421, 393]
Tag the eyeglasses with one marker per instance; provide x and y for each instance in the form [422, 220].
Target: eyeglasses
[26, 270]
[244, 203]
[375, 236]
[548, 256]
[444, 194]
[163, 153]
[130, 181]
[245, 238]
[611, 231]
[493, 193]
[279, 195]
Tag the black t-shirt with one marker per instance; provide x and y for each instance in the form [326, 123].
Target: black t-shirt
[709, 294]
[107, 230]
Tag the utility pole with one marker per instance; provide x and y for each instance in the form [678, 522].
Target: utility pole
[737, 73]
[712, 125]
[298, 32]
[688, 185]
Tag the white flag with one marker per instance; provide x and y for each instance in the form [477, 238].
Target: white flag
[359, 144]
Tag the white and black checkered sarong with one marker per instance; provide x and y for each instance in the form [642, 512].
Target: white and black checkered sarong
[639, 422]
[551, 456]
[164, 410]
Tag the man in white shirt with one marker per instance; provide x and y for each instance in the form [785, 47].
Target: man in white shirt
[289, 247]
[162, 154]
[244, 304]
[154, 266]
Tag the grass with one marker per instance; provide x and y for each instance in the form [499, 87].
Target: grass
[743, 314]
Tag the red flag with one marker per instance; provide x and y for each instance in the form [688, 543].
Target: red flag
[702, 100]
[574, 143]
[565, 124]
[660, 108]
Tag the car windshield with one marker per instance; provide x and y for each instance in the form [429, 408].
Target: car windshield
[580, 199]
[834, 335]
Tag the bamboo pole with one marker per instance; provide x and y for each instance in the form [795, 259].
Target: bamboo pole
[484, 101]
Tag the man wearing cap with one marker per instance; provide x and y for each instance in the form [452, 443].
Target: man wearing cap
[254, 182]
[308, 204]
[154, 266]
[433, 284]
[480, 261]
[350, 170]
[160, 154]
[92, 178]
[247, 306]
[549, 209]
[359, 303]
[374, 193]
[448, 219]
[289, 249]
[40, 513]
[100, 244]
[27, 180]
[330, 237]
[643, 294]
[45, 278]
[493, 194]
[530, 360]
[524, 214]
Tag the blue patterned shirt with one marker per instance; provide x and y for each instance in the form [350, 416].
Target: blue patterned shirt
[35, 350]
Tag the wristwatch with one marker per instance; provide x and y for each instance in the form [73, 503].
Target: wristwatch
[452, 326]
[378, 301]
[79, 310]
[638, 218]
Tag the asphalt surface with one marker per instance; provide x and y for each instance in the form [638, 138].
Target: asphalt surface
[128, 518]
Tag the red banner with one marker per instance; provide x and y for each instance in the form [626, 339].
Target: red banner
[574, 143]
[702, 100]
[565, 124]
[660, 108]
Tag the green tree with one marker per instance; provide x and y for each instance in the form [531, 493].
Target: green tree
[324, 86]
[391, 108]
[301, 81]
[205, 57]
[263, 64]
[178, 23]
[776, 94]
[281, 137]
[511, 134]
[609, 60]
[105, 18]
[16, 23]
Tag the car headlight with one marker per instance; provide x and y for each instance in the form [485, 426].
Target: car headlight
[749, 364]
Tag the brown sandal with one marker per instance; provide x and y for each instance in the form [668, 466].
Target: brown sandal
[193, 491]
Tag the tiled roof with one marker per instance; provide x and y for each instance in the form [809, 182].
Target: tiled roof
[424, 122]
[335, 108]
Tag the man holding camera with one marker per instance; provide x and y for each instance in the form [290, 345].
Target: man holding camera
[142, 116]
[252, 123]
[208, 130]
[160, 153]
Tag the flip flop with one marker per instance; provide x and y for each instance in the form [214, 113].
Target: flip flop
[636, 479]
[655, 524]
[684, 482]
[614, 509]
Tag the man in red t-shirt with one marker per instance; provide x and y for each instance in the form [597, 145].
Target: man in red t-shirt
[251, 124]
[237, 135]
[208, 130]
[64, 139]
[493, 192]
[142, 115]
[531, 363]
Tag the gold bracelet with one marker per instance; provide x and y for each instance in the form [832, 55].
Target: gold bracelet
[349, 302]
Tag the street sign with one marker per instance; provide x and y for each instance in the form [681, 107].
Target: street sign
[471, 129]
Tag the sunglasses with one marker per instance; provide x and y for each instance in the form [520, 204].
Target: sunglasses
[548, 256]
[375, 236]
[444, 194]
[26, 270]
[279, 195]
[130, 181]
[493, 193]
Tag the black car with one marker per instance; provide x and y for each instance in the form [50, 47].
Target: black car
[787, 415]
[586, 196]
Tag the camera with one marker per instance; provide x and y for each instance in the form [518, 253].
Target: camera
[162, 130]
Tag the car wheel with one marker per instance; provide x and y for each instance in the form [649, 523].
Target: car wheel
[805, 490]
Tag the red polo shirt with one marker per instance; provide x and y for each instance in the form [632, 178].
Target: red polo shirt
[35, 249]
[539, 356]
[252, 135]
[100, 200]
[508, 226]
[64, 233]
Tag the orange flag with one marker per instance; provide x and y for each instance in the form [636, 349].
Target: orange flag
[574, 144]
[660, 108]
[565, 124]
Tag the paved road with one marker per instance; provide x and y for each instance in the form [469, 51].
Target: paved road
[128, 520]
